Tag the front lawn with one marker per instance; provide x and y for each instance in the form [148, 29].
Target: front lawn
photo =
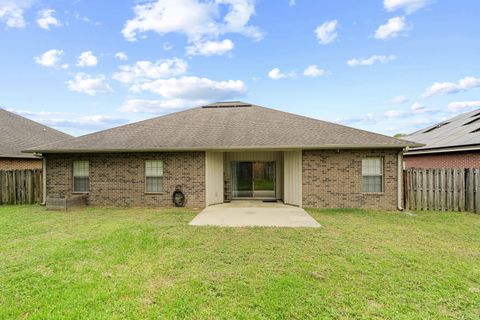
[140, 263]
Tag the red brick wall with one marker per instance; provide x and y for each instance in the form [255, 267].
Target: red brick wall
[333, 179]
[444, 160]
[20, 164]
[118, 179]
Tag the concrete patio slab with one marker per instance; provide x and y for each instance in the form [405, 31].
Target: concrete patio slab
[243, 213]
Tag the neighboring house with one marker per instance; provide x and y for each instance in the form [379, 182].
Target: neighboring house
[453, 143]
[18, 133]
[229, 150]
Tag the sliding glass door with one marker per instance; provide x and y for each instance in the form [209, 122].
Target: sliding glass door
[253, 179]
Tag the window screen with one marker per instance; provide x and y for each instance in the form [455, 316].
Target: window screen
[81, 176]
[154, 176]
[372, 174]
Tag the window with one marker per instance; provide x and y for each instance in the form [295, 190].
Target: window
[372, 173]
[153, 176]
[81, 179]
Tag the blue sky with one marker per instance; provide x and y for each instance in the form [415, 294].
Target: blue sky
[386, 66]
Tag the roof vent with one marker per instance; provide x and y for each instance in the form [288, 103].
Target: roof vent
[476, 130]
[436, 127]
[475, 115]
[228, 104]
[471, 121]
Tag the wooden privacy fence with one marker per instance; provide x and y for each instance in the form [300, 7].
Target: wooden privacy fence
[442, 189]
[21, 186]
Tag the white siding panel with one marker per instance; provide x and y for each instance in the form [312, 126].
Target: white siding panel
[214, 177]
[293, 177]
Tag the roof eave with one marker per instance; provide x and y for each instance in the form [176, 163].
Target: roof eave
[227, 148]
[18, 156]
[442, 150]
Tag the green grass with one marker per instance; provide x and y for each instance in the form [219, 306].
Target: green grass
[140, 263]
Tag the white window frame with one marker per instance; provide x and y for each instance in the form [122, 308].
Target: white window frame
[84, 174]
[369, 173]
[153, 172]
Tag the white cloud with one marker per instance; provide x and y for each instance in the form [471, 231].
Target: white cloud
[462, 105]
[91, 85]
[370, 61]
[209, 48]
[392, 29]
[158, 106]
[415, 112]
[291, 3]
[50, 58]
[193, 88]
[399, 99]
[72, 121]
[46, 19]
[409, 6]
[198, 20]
[276, 74]
[87, 59]
[11, 13]
[443, 88]
[122, 56]
[417, 107]
[326, 33]
[85, 19]
[313, 71]
[143, 71]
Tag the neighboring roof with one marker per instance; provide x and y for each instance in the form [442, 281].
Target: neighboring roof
[459, 133]
[18, 133]
[222, 126]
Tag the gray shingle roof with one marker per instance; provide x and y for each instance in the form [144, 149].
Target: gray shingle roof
[460, 131]
[224, 126]
[18, 133]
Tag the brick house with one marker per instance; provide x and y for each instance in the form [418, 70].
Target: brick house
[453, 143]
[18, 133]
[225, 151]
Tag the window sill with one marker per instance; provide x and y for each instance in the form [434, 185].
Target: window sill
[79, 192]
[374, 193]
[154, 193]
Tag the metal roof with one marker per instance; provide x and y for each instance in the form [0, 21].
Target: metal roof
[460, 132]
[224, 126]
[18, 133]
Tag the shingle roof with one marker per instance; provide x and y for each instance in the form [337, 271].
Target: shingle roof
[18, 133]
[460, 131]
[226, 125]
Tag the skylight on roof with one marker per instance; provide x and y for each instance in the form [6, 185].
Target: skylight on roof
[228, 104]
[472, 121]
[436, 127]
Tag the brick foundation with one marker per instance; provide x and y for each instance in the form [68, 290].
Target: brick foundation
[20, 164]
[469, 159]
[118, 179]
[333, 179]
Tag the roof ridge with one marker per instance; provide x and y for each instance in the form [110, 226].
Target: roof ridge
[138, 122]
[331, 123]
[22, 118]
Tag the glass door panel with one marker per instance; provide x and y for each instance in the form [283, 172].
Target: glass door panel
[242, 179]
[264, 179]
[253, 179]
